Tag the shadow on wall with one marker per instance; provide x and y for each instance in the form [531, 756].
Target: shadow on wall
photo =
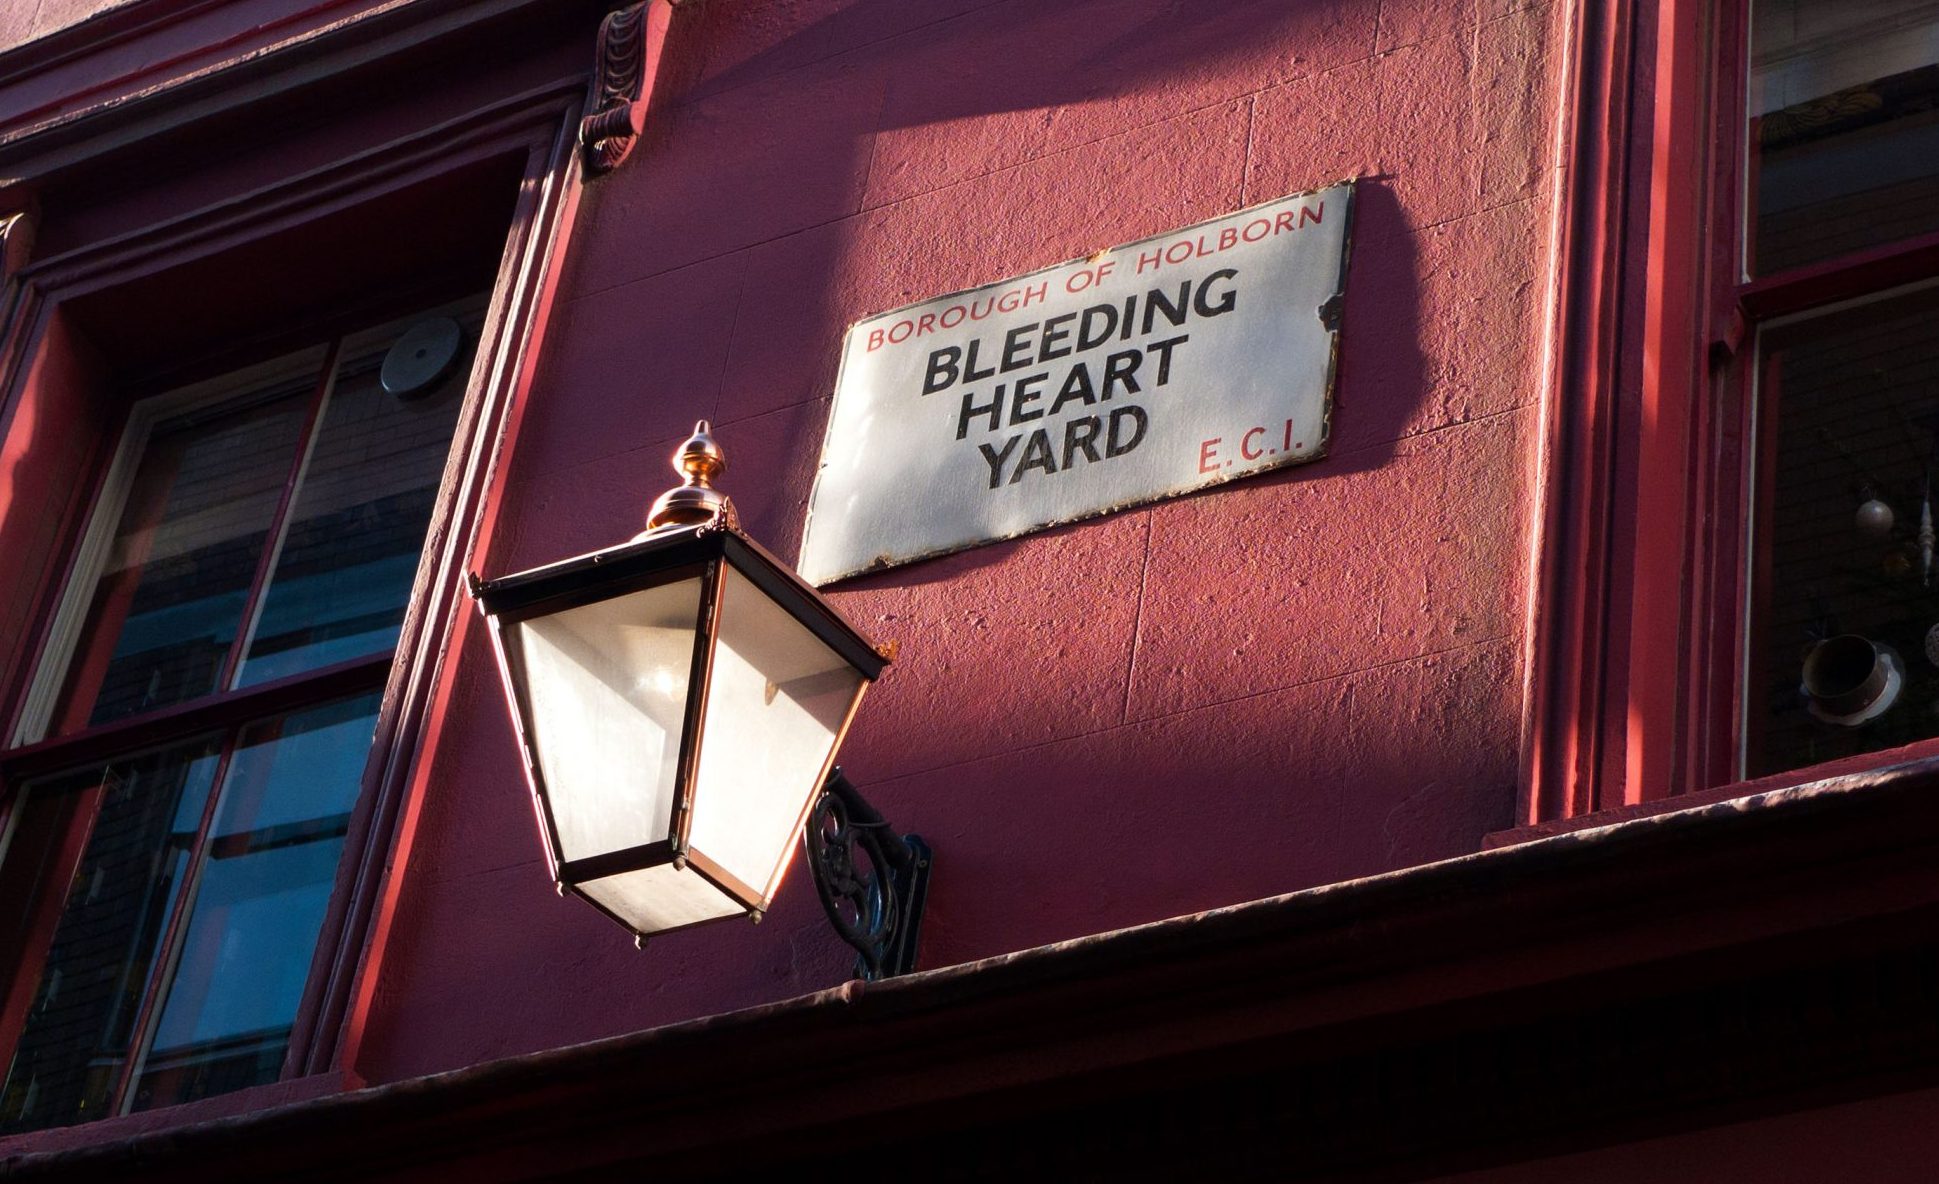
[1014, 136]
[822, 162]
[1044, 55]
[1379, 385]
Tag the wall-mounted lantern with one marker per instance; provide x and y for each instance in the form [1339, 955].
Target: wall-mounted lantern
[679, 700]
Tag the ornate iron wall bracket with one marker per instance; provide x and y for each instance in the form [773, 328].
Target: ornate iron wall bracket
[629, 58]
[876, 908]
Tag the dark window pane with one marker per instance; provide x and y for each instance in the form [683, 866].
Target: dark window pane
[347, 559]
[271, 862]
[170, 599]
[1844, 106]
[144, 814]
[1850, 403]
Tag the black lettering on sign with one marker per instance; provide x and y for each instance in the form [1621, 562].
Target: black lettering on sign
[971, 409]
[944, 368]
[995, 459]
[1036, 455]
[1016, 347]
[1228, 301]
[1044, 341]
[1086, 437]
[1024, 395]
[970, 372]
[1122, 368]
[1156, 303]
[1105, 315]
[1077, 387]
[1046, 350]
[1163, 350]
[1123, 431]
[1116, 443]
[1082, 434]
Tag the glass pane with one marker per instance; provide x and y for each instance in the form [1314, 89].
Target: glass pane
[144, 814]
[271, 863]
[606, 686]
[775, 707]
[1846, 632]
[652, 899]
[1844, 127]
[356, 528]
[167, 607]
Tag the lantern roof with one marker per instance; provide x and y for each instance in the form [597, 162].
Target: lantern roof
[651, 558]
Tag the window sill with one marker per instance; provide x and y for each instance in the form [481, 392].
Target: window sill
[202, 1110]
[1914, 761]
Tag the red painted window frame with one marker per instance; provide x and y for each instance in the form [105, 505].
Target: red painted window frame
[537, 131]
[1642, 573]
[229, 712]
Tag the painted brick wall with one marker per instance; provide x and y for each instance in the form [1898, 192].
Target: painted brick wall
[1285, 682]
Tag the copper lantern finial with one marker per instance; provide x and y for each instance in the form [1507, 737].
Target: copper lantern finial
[694, 502]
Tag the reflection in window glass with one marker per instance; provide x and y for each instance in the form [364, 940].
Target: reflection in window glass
[79, 1025]
[1845, 648]
[169, 602]
[162, 912]
[270, 862]
[351, 549]
[1844, 127]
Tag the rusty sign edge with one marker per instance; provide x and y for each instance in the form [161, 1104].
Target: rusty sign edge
[887, 562]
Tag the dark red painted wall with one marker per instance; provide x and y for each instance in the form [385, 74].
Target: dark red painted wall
[1286, 682]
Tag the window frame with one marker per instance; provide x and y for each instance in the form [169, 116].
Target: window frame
[1638, 637]
[532, 134]
[230, 710]
[33, 717]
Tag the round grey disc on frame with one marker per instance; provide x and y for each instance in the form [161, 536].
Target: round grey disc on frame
[422, 358]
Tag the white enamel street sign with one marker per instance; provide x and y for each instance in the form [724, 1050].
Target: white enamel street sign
[1135, 374]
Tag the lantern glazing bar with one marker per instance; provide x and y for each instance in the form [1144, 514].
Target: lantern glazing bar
[680, 700]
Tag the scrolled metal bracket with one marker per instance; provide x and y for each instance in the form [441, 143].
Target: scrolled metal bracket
[875, 903]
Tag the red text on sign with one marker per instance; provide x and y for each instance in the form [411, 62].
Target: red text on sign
[1255, 443]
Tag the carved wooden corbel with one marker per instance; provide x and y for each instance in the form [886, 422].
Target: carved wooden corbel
[16, 248]
[629, 58]
[16, 243]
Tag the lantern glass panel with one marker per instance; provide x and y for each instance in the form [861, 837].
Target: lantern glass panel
[775, 710]
[606, 687]
[651, 899]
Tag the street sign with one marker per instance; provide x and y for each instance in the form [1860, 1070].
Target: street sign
[1134, 374]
